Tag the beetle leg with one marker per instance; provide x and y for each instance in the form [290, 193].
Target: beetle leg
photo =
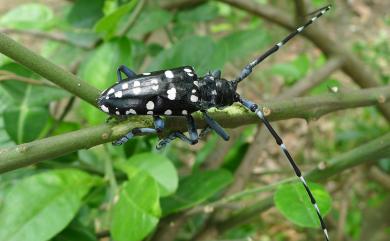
[158, 127]
[159, 123]
[192, 139]
[132, 133]
[215, 126]
[204, 132]
[128, 72]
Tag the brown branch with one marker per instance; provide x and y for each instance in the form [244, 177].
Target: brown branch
[353, 66]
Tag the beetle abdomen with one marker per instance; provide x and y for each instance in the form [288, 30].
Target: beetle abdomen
[165, 92]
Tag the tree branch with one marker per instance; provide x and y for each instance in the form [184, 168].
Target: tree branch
[48, 70]
[236, 115]
[353, 66]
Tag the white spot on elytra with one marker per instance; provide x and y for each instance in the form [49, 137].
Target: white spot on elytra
[117, 112]
[313, 19]
[104, 108]
[147, 73]
[323, 11]
[193, 91]
[125, 86]
[171, 93]
[280, 44]
[118, 94]
[110, 91]
[169, 74]
[131, 111]
[155, 84]
[187, 70]
[194, 98]
[149, 112]
[150, 105]
[214, 92]
[168, 112]
[190, 74]
[184, 112]
[300, 29]
[196, 83]
[137, 88]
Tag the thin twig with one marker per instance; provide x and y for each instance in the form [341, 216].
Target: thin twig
[58, 37]
[6, 75]
[64, 113]
[133, 18]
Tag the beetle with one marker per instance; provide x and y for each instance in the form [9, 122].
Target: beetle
[181, 92]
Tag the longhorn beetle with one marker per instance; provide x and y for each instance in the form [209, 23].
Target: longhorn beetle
[180, 92]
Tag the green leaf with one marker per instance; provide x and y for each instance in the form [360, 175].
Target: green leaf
[157, 166]
[25, 123]
[137, 212]
[5, 140]
[200, 52]
[85, 13]
[195, 189]
[149, 20]
[110, 24]
[40, 206]
[27, 115]
[294, 203]
[325, 86]
[286, 70]
[234, 48]
[27, 16]
[204, 12]
[99, 69]
[76, 232]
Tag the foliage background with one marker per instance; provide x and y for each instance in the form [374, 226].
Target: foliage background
[134, 192]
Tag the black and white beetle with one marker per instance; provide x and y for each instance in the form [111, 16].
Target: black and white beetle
[180, 92]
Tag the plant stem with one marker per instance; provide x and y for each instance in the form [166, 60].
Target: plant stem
[48, 70]
[310, 108]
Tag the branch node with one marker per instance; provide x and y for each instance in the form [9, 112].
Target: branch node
[105, 136]
[266, 111]
[381, 99]
[22, 148]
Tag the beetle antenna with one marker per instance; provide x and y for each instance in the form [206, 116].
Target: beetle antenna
[258, 111]
[248, 69]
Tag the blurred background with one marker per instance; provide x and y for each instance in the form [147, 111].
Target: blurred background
[92, 38]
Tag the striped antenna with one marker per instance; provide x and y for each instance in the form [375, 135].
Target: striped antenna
[248, 69]
[254, 108]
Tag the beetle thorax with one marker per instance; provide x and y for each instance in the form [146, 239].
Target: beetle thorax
[216, 92]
